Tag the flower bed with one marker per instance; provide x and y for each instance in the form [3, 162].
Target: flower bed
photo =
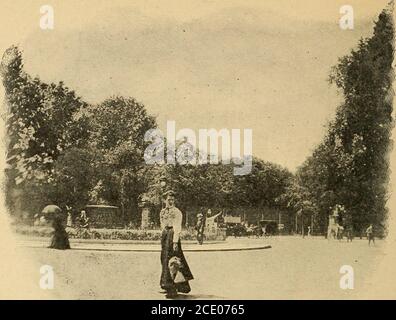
[109, 234]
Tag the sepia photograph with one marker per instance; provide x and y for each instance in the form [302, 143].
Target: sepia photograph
[197, 150]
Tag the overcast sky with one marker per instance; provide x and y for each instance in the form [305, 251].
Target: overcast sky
[261, 65]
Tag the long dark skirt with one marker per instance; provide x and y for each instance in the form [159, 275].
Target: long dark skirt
[60, 239]
[167, 252]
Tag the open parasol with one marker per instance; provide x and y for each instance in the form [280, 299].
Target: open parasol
[51, 210]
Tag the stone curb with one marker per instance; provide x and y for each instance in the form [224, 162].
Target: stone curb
[150, 248]
[112, 242]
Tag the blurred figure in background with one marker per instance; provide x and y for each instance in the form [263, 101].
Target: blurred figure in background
[60, 239]
[200, 228]
[69, 221]
[349, 233]
[84, 220]
[370, 234]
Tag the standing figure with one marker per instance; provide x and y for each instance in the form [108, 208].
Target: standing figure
[340, 233]
[264, 230]
[84, 220]
[200, 228]
[171, 251]
[370, 234]
[309, 231]
[60, 239]
[69, 221]
[349, 233]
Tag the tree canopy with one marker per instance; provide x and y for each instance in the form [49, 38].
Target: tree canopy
[64, 150]
[351, 166]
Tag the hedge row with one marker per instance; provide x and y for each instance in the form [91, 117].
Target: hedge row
[109, 234]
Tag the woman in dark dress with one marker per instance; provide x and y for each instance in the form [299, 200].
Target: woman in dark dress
[200, 228]
[60, 239]
[171, 224]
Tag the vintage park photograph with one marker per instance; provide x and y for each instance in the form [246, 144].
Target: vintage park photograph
[272, 182]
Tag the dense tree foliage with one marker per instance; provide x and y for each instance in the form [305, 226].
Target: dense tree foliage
[350, 166]
[63, 150]
[42, 122]
[215, 185]
[118, 127]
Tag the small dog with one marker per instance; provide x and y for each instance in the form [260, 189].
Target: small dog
[174, 268]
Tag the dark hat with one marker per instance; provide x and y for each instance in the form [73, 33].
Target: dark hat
[51, 209]
[169, 193]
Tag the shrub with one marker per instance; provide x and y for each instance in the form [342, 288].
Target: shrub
[109, 234]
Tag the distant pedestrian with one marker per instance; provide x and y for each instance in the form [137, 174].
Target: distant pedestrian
[340, 232]
[200, 228]
[370, 234]
[84, 220]
[69, 221]
[60, 239]
[264, 230]
[349, 233]
[309, 231]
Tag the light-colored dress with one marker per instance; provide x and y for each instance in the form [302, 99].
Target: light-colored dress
[172, 217]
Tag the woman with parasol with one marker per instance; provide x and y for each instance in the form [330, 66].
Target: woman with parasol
[60, 239]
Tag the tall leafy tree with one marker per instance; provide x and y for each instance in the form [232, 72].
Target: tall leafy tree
[42, 120]
[351, 164]
[118, 128]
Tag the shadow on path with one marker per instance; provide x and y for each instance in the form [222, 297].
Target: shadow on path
[196, 297]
